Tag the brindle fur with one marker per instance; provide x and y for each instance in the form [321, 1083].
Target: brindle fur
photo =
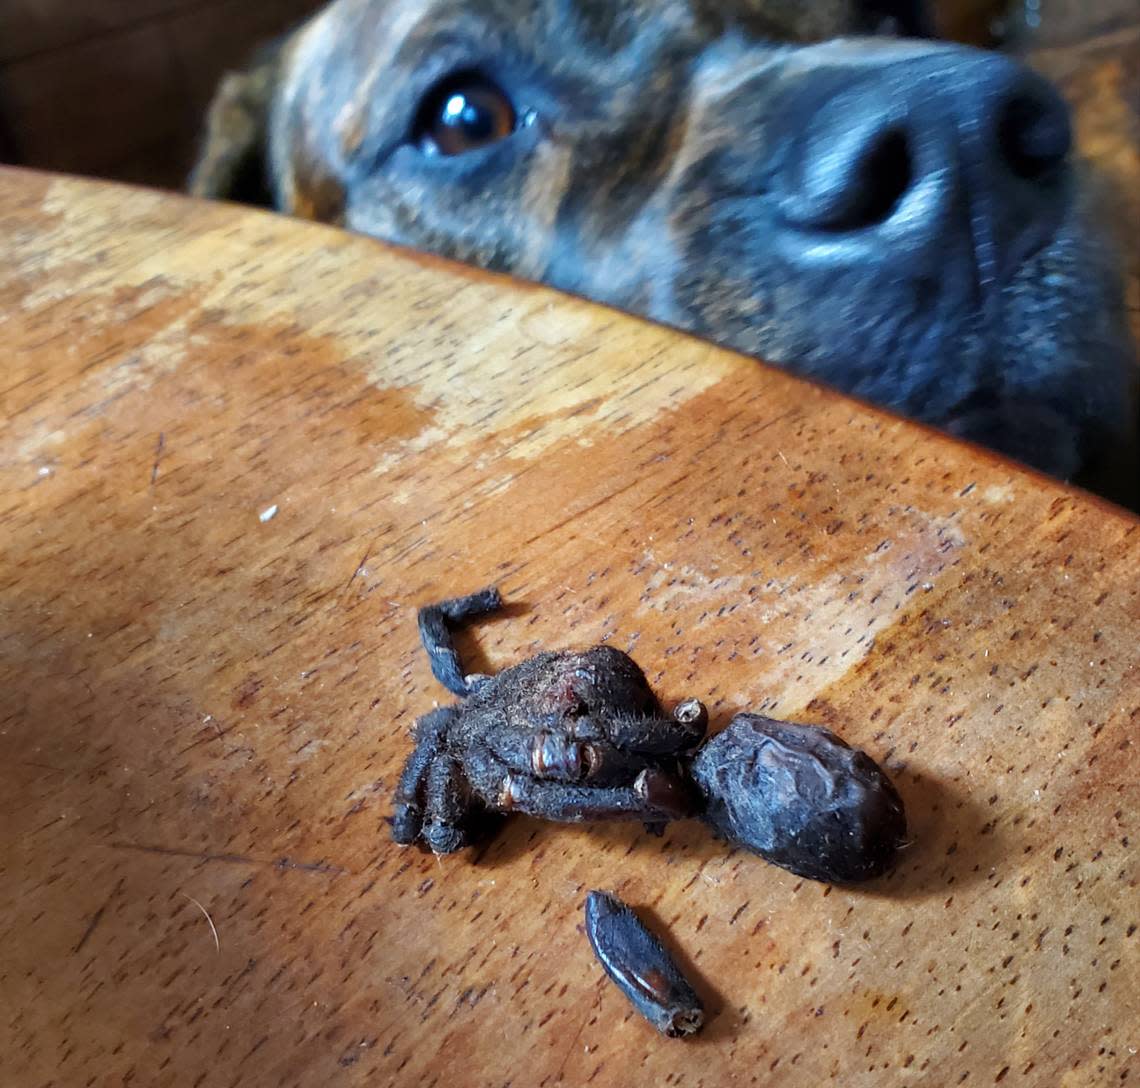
[643, 183]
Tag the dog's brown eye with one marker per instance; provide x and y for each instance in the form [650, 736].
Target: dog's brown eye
[463, 114]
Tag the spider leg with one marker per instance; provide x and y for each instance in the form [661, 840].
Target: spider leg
[436, 622]
[563, 752]
[655, 796]
[447, 806]
[658, 736]
[609, 765]
[549, 752]
[407, 817]
[545, 751]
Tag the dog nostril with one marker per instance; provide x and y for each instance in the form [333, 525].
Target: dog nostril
[880, 180]
[851, 180]
[1033, 135]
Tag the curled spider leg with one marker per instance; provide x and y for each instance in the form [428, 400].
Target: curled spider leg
[588, 749]
[593, 751]
[436, 623]
[549, 751]
[430, 732]
[545, 750]
[654, 798]
[651, 735]
[552, 754]
[602, 763]
[447, 806]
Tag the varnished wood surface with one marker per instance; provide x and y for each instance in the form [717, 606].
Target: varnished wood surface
[236, 453]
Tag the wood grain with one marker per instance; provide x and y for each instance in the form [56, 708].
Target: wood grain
[238, 451]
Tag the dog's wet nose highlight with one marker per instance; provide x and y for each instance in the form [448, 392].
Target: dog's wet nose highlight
[915, 146]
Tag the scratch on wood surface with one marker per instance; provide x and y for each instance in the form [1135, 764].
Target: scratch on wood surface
[39, 766]
[217, 734]
[359, 569]
[309, 866]
[584, 511]
[159, 447]
[176, 852]
[231, 859]
[561, 1074]
[96, 918]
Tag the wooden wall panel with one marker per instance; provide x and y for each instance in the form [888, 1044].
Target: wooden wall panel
[87, 106]
[31, 27]
[207, 41]
[116, 88]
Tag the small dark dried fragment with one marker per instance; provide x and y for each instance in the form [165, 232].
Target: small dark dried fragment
[638, 963]
[801, 798]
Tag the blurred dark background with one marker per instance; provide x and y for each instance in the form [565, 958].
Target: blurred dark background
[117, 88]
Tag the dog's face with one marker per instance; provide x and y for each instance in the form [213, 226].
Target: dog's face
[898, 218]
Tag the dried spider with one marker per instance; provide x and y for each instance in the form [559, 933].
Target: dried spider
[567, 736]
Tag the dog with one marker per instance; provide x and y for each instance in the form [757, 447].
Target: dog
[900, 218]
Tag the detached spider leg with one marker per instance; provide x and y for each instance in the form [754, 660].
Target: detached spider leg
[436, 623]
[430, 734]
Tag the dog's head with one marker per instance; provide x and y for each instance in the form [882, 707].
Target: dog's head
[901, 219]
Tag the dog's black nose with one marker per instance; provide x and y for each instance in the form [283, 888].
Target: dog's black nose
[913, 152]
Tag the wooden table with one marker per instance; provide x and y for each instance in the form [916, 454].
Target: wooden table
[237, 452]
